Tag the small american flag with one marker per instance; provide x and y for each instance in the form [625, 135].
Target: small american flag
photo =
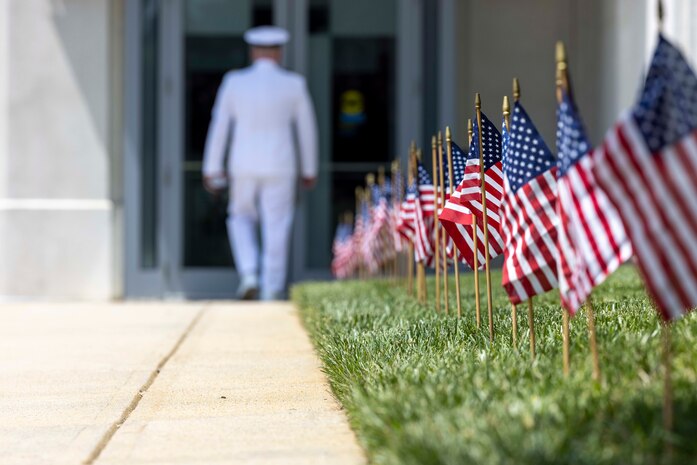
[455, 218]
[405, 223]
[422, 239]
[423, 216]
[343, 260]
[591, 238]
[367, 243]
[395, 219]
[530, 220]
[426, 193]
[458, 160]
[359, 232]
[493, 178]
[647, 165]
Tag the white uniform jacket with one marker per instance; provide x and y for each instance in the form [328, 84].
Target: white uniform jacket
[261, 104]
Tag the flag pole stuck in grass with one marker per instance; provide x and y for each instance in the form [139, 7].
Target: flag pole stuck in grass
[440, 196]
[489, 303]
[561, 79]
[397, 180]
[410, 247]
[666, 338]
[531, 305]
[475, 246]
[421, 267]
[449, 147]
[434, 160]
[506, 128]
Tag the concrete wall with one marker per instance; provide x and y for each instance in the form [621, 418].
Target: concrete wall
[57, 210]
[609, 43]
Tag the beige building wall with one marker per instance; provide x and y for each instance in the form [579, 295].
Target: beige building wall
[609, 43]
[57, 148]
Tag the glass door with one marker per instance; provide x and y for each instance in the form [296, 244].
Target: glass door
[200, 41]
[351, 71]
[362, 67]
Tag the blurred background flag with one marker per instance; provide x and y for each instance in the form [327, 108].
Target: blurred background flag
[396, 210]
[648, 167]
[424, 204]
[427, 194]
[529, 212]
[591, 238]
[342, 248]
[405, 224]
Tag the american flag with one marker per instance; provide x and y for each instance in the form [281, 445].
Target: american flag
[427, 194]
[471, 196]
[395, 219]
[343, 260]
[367, 243]
[647, 165]
[359, 232]
[530, 219]
[591, 238]
[379, 237]
[405, 224]
[458, 159]
[422, 237]
[423, 216]
[455, 218]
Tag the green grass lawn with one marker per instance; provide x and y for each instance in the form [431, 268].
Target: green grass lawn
[421, 388]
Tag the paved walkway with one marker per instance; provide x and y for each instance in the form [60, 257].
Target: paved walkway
[164, 383]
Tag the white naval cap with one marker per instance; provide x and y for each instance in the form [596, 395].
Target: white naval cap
[266, 36]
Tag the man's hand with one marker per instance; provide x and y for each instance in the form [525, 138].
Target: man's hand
[215, 184]
[308, 183]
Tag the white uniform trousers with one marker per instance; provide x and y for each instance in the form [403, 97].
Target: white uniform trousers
[270, 201]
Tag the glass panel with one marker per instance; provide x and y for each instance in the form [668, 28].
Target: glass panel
[149, 210]
[352, 80]
[214, 46]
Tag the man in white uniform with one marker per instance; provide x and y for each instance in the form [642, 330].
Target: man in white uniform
[258, 107]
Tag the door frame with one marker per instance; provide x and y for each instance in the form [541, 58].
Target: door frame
[169, 279]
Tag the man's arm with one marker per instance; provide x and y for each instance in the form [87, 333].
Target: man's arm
[306, 124]
[214, 152]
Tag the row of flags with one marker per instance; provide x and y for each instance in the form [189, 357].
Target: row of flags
[563, 221]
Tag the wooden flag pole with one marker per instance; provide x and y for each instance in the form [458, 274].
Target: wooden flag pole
[565, 332]
[561, 82]
[417, 265]
[489, 303]
[449, 151]
[593, 342]
[434, 159]
[381, 184]
[666, 336]
[422, 266]
[531, 326]
[531, 305]
[359, 200]
[396, 202]
[368, 194]
[514, 309]
[660, 15]
[441, 195]
[410, 248]
[475, 244]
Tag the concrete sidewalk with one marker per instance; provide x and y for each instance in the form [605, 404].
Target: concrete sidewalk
[164, 383]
